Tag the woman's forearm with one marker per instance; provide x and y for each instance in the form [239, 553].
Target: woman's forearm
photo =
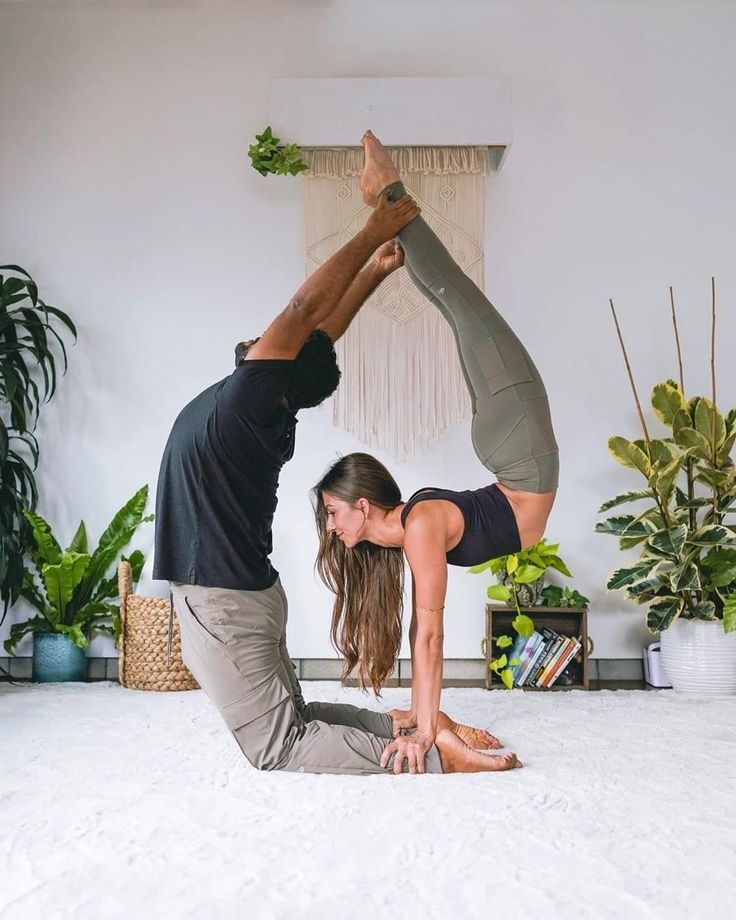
[426, 681]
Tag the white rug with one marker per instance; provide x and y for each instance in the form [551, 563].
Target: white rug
[121, 804]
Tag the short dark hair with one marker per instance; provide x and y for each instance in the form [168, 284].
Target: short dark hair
[315, 374]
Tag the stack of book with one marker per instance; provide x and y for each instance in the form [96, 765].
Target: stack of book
[543, 656]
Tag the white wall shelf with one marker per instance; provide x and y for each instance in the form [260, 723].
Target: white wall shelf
[402, 111]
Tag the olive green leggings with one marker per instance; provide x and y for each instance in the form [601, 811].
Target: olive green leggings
[512, 427]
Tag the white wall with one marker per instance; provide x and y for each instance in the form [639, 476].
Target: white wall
[126, 191]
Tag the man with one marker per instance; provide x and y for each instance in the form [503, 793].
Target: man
[214, 509]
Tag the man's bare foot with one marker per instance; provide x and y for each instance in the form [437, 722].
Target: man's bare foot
[378, 171]
[457, 757]
[476, 738]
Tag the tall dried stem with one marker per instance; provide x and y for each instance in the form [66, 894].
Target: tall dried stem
[631, 380]
[713, 382]
[677, 342]
[691, 512]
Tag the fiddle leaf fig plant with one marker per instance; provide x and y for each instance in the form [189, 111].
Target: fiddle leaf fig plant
[685, 534]
[71, 588]
[268, 155]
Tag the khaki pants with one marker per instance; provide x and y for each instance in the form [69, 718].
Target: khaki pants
[234, 643]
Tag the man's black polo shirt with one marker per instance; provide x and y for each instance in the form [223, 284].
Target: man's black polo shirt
[219, 475]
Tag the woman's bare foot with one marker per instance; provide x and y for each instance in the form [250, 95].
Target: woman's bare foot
[476, 738]
[457, 757]
[378, 171]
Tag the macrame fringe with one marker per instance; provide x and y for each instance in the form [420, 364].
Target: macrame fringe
[403, 389]
[344, 162]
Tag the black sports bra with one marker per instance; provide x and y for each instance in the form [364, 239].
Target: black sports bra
[490, 524]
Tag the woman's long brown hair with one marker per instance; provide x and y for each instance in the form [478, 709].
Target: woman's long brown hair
[367, 580]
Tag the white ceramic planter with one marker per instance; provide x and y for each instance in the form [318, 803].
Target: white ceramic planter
[699, 657]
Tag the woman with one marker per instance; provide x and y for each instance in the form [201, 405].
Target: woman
[363, 523]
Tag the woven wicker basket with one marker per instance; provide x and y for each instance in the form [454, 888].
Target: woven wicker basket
[144, 628]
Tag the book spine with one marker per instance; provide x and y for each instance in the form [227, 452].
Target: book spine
[553, 652]
[531, 645]
[516, 650]
[537, 652]
[557, 653]
[549, 638]
[565, 661]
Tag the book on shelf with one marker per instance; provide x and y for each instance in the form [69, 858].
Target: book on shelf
[557, 649]
[516, 650]
[530, 649]
[537, 656]
[548, 636]
[566, 658]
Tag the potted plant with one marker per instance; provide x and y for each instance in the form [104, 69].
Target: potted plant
[686, 570]
[521, 575]
[74, 592]
[269, 155]
[28, 370]
[521, 584]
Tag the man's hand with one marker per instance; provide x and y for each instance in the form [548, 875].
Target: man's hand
[402, 718]
[388, 257]
[409, 748]
[390, 217]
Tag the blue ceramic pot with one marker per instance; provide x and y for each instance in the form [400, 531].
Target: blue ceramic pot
[57, 658]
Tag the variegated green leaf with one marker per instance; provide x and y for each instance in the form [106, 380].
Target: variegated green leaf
[663, 612]
[628, 454]
[615, 525]
[507, 676]
[713, 535]
[709, 422]
[686, 578]
[669, 542]
[704, 610]
[504, 641]
[623, 498]
[693, 443]
[665, 478]
[666, 401]
[628, 575]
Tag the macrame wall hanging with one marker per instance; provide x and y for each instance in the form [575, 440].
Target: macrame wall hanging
[401, 381]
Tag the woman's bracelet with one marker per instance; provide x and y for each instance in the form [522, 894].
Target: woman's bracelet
[431, 609]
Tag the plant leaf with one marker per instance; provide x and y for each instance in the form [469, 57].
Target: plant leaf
[622, 498]
[669, 542]
[667, 400]
[729, 613]
[504, 641]
[628, 454]
[523, 625]
[498, 593]
[663, 613]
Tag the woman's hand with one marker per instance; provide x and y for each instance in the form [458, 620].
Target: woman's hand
[409, 748]
[402, 718]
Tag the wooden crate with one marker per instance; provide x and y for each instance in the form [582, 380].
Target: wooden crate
[568, 621]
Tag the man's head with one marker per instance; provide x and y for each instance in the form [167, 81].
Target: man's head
[315, 374]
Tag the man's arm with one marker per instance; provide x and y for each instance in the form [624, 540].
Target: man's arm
[321, 293]
[385, 260]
